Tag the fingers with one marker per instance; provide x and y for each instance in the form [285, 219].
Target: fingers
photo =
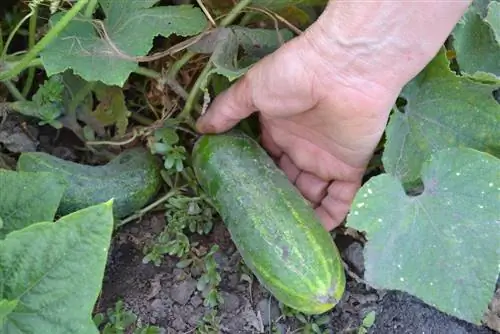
[336, 204]
[311, 186]
[229, 107]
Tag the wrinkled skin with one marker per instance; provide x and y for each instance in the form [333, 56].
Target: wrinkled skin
[324, 97]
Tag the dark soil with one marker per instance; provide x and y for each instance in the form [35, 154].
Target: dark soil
[167, 296]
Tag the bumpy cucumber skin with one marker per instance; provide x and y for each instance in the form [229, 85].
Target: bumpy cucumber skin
[275, 230]
[132, 179]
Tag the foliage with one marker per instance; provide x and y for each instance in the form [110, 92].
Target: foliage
[209, 323]
[38, 255]
[432, 220]
[435, 238]
[209, 281]
[120, 321]
[368, 321]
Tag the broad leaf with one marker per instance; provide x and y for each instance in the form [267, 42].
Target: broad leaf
[27, 198]
[443, 110]
[54, 272]
[493, 18]
[126, 32]
[477, 47]
[442, 246]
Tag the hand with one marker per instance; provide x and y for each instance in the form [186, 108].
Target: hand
[323, 104]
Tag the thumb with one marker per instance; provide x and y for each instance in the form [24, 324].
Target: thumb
[229, 107]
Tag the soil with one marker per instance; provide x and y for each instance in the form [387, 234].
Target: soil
[166, 296]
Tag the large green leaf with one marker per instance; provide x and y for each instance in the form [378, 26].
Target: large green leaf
[51, 273]
[477, 47]
[442, 246]
[443, 110]
[27, 198]
[493, 18]
[127, 31]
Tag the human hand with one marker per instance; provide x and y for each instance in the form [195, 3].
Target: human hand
[323, 102]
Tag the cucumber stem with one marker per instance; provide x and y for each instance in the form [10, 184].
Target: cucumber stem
[46, 40]
[31, 43]
[146, 209]
[204, 77]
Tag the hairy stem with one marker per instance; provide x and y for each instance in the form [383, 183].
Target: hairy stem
[31, 44]
[146, 209]
[233, 14]
[13, 90]
[176, 67]
[89, 11]
[204, 77]
[49, 37]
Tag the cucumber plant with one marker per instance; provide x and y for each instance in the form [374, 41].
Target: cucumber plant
[442, 139]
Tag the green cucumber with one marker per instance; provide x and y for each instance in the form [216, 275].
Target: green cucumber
[276, 231]
[132, 179]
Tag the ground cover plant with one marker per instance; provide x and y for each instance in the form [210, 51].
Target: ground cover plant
[104, 226]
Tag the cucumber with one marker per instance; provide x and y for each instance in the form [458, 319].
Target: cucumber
[276, 231]
[132, 179]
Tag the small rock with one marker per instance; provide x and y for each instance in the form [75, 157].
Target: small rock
[179, 274]
[179, 324]
[234, 280]
[221, 259]
[182, 292]
[196, 301]
[269, 313]
[158, 306]
[231, 302]
[196, 271]
[353, 254]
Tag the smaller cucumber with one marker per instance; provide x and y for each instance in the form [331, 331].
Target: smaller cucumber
[131, 179]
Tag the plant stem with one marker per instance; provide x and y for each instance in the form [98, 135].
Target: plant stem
[146, 209]
[13, 90]
[89, 11]
[31, 41]
[195, 91]
[233, 14]
[49, 37]
[13, 33]
[176, 67]
[203, 78]
[1, 40]
[147, 72]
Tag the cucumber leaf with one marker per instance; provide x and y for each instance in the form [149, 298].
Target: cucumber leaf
[126, 32]
[476, 40]
[51, 273]
[443, 110]
[493, 18]
[442, 246]
[27, 198]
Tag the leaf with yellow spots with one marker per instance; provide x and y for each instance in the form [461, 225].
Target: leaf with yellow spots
[112, 109]
[442, 246]
[442, 110]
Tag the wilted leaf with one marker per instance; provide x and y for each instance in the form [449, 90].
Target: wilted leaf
[27, 198]
[442, 246]
[126, 32]
[53, 272]
[111, 109]
[443, 110]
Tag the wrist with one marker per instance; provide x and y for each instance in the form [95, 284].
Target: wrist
[380, 42]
